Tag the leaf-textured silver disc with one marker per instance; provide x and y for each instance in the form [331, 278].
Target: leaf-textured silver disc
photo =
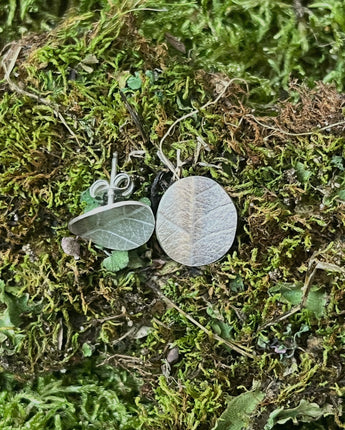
[120, 226]
[196, 221]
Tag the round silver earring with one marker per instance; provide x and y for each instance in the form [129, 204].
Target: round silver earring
[196, 221]
[119, 225]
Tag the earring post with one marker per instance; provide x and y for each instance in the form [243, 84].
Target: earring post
[111, 190]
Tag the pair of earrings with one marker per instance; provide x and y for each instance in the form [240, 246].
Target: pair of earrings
[195, 223]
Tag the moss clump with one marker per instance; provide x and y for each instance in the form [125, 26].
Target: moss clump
[276, 299]
[265, 42]
[81, 398]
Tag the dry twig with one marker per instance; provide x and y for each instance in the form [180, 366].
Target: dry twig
[232, 345]
[314, 266]
[287, 133]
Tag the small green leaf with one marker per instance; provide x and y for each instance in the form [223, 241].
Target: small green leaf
[15, 306]
[90, 202]
[134, 82]
[216, 328]
[87, 350]
[221, 328]
[316, 302]
[236, 285]
[116, 261]
[146, 201]
[303, 174]
[305, 412]
[151, 75]
[341, 194]
[292, 293]
[239, 410]
[337, 161]
[10, 319]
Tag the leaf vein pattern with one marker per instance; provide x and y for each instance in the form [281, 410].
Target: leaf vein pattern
[111, 233]
[213, 233]
[209, 212]
[174, 223]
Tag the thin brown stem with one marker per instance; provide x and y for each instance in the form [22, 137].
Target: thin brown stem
[236, 347]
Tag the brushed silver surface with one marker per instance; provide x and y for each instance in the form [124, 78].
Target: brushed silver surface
[120, 226]
[196, 221]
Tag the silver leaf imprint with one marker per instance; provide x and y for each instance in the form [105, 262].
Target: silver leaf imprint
[120, 226]
[196, 221]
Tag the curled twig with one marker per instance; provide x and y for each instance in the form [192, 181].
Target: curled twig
[160, 152]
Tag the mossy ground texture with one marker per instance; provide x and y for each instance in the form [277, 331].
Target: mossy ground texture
[260, 334]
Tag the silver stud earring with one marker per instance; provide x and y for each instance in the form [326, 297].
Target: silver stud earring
[196, 221]
[119, 225]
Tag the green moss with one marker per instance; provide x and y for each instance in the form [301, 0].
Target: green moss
[265, 42]
[86, 398]
[62, 116]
